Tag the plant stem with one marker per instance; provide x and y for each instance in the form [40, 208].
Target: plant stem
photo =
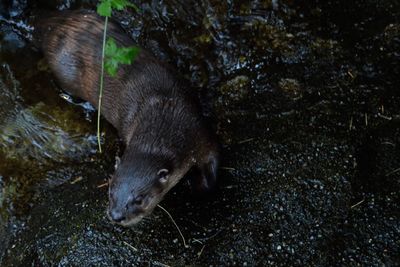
[101, 82]
[177, 227]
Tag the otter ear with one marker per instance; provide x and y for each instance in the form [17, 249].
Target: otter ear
[117, 162]
[163, 176]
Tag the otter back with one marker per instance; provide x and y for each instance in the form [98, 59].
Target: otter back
[72, 44]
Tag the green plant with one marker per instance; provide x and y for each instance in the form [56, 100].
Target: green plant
[112, 55]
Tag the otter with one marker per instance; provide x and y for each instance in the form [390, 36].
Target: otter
[153, 109]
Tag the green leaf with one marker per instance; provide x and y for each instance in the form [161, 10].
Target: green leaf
[104, 9]
[106, 6]
[114, 56]
[131, 53]
[121, 4]
[111, 47]
[111, 67]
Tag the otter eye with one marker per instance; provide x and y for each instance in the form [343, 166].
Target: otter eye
[138, 200]
[163, 176]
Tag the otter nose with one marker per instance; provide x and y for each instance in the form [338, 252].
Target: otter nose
[117, 216]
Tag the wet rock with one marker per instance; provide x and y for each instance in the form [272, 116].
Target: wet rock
[12, 8]
[236, 89]
[291, 87]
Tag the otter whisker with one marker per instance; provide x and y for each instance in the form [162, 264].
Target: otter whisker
[177, 227]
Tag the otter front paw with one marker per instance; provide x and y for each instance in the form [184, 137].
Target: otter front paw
[203, 178]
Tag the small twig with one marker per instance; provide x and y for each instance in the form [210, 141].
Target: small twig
[198, 241]
[77, 179]
[358, 203]
[199, 225]
[351, 123]
[245, 141]
[388, 143]
[385, 117]
[172, 219]
[161, 264]
[366, 119]
[201, 252]
[208, 238]
[228, 168]
[102, 185]
[130, 246]
[392, 172]
[350, 74]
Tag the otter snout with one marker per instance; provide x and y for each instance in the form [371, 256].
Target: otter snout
[116, 215]
[127, 210]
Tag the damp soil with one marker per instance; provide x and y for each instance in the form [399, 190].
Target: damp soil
[306, 102]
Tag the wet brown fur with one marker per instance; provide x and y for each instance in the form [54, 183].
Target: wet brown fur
[152, 108]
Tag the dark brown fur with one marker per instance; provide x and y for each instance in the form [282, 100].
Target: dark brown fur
[152, 108]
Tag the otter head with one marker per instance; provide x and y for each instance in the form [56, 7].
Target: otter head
[138, 185]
